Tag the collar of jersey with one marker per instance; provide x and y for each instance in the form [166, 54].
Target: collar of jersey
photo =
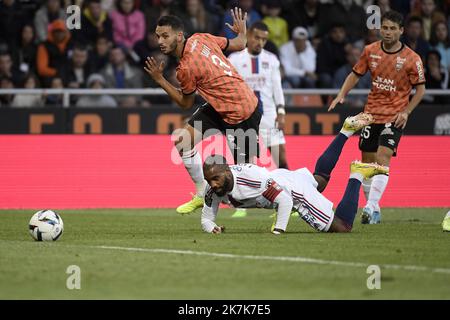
[401, 48]
[184, 47]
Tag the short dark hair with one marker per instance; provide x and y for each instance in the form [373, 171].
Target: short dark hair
[215, 160]
[171, 21]
[393, 16]
[259, 25]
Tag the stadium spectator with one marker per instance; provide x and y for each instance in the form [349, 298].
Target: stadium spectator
[331, 55]
[24, 53]
[347, 14]
[119, 73]
[246, 6]
[412, 36]
[440, 41]
[199, 20]
[28, 100]
[52, 55]
[305, 13]
[55, 99]
[436, 76]
[278, 27]
[96, 81]
[384, 5]
[11, 20]
[95, 22]
[298, 59]
[6, 83]
[48, 13]
[128, 23]
[430, 15]
[153, 11]
[371, 36]
[99, 56]
[8, 70]
[341, 74]
[79, 69]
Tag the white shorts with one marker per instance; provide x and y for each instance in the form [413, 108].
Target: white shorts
[271, 136]
[312, 206]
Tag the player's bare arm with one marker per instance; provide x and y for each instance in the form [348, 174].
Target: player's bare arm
[240, 28]
[155, 71]
[402, 117]
[349, 83]
[280, 121]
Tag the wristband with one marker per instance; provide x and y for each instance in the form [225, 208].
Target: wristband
[281, 111]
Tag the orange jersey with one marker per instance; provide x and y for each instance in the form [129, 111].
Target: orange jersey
[204, 68]
[393, 76]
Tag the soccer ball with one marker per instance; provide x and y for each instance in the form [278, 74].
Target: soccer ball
[46, 225]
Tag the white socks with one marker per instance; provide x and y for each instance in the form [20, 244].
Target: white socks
[193, 164]
[348, 134]
[356, 175]
[366, 184]
[379, 183]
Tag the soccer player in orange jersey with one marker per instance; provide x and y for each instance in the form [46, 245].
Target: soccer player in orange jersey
[395, 70]
[231, 108]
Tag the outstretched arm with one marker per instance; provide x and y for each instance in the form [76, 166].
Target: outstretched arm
[156, 72]
[349, 83]
[240, 28]
[209, 213]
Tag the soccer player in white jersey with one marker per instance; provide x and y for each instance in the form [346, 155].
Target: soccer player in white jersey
[250, 186]
[261, 71]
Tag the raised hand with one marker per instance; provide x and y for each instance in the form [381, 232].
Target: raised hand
[239, 21]
[153, 69]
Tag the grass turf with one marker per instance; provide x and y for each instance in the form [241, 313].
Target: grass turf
[37, 270]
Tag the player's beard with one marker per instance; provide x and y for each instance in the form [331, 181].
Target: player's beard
[171, 48]
[225, 188]
[256, 51]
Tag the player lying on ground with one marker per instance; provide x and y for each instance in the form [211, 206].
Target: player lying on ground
[250, 186]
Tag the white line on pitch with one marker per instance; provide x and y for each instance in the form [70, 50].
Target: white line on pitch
[280, 258]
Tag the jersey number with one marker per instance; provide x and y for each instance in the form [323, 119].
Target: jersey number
[365, 133]
[218, 62]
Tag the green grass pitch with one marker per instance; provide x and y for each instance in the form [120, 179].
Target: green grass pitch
[409, 246]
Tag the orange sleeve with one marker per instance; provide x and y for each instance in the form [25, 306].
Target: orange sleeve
[361, 67]
[186, 78]
[220, 41]
[416, 73]
[42, 63]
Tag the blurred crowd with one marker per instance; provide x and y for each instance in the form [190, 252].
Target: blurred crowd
[317, 41]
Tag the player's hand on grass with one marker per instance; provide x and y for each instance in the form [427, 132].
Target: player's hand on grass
[401, 119]
[218, 229]
[338, 99]
[153, 69]
[239, 21]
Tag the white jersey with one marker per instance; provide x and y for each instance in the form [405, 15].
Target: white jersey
[262, 74]
[280, 189]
